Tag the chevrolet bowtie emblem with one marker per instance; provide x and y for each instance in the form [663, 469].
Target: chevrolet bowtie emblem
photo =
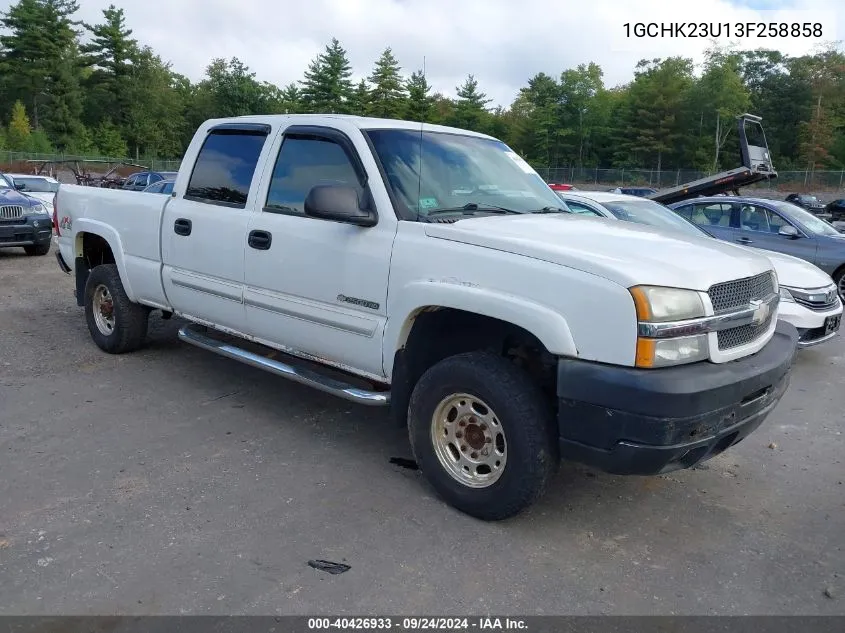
[761, 311]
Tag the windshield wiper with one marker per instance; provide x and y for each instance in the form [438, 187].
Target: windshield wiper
[471, 207]
[550, 210]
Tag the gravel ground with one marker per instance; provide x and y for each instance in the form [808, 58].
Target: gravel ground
[173, 481]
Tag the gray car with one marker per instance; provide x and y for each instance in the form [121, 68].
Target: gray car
[772, 225]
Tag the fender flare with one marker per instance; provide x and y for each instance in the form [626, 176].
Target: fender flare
[550, 327]
[111, 236]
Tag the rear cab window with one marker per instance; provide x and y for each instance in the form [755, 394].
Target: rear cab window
[225, 165]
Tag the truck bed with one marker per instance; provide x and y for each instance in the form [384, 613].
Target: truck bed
[130, 219]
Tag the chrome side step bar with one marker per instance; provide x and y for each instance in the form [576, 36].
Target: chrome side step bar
[303, 376]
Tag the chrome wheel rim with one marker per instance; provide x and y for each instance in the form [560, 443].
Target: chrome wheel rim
[469, 440]
[103, 310]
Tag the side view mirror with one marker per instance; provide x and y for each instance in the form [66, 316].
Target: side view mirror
[338, 203]
[20, 186]
[787, 230]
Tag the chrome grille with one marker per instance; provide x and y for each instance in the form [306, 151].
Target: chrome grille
[736, 336]
[11, 212]
[737, 294]
[821, 299]
[731, 295]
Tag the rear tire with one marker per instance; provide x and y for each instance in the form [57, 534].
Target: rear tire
[37, 249]
[116, 324]
[483, 435]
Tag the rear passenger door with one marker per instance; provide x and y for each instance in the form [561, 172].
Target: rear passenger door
[204, 229]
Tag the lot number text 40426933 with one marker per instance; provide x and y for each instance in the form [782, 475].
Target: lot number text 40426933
[722, 29]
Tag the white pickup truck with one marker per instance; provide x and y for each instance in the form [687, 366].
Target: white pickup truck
[430, 269]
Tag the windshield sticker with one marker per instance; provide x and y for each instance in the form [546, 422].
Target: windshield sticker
[429, 203]
[520, 162]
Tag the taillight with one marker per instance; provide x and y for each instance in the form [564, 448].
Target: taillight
[56, 217]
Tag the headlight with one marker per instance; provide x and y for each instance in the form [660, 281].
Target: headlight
[38, 209]
[657, 305]
[652, 352]
[785, 295]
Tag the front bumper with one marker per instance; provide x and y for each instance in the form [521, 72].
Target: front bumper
[651, 421]
[814, 327]
[28, 231]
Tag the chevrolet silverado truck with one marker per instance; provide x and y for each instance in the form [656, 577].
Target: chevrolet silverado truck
[431, 270]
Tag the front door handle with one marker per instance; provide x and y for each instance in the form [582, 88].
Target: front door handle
[260, 240]
[745, 240]
[182, 226]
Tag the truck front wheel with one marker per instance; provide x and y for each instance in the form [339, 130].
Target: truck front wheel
[483, 435]
[116, 324]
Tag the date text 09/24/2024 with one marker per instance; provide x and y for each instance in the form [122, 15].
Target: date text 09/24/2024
[419, 623]
[722, 29]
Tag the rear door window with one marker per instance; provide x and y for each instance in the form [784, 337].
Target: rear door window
[224, 168]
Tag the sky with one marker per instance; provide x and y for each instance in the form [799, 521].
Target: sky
[501, 42]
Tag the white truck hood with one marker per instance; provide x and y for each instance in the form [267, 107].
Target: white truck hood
[624, 252]
[797, 273]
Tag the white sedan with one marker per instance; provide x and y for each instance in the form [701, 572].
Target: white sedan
[43, 188]
[809, 299]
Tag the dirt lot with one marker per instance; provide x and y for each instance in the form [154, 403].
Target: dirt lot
[173, 481]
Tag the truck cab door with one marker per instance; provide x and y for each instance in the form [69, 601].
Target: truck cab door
[315, 287]
[204, 228]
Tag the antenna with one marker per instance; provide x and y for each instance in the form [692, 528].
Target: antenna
[419, 174]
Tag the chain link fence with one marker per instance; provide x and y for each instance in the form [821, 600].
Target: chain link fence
[585, 177]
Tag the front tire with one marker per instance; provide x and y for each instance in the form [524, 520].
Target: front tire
[116, 324]
[483, 435]
[839, 280]
[37, 249]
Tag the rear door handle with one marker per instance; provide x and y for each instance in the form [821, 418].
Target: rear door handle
[182, 226]
[260, 240]
[745, 240]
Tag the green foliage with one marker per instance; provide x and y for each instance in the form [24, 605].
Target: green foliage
[327, 86]
[360, 101]
[109, 141]
[19, 128]
[92, 88]
[387, 98]
[419, 103]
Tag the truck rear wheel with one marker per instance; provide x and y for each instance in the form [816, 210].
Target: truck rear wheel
[116, 324]
[483, 435]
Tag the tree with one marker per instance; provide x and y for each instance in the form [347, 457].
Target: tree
[156, 116]
[653, 133]
[386, 99]
[63, 108]
[110, 54]
[40, 35]
[327, 86]
[470, 107]
[419, 102]
[109, 141]
[19, 131]
[359, 102]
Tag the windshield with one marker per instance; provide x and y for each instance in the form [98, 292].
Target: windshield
[430, 172]
[807, 220]
[5, 183]
[653, 214]
[37, 185]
